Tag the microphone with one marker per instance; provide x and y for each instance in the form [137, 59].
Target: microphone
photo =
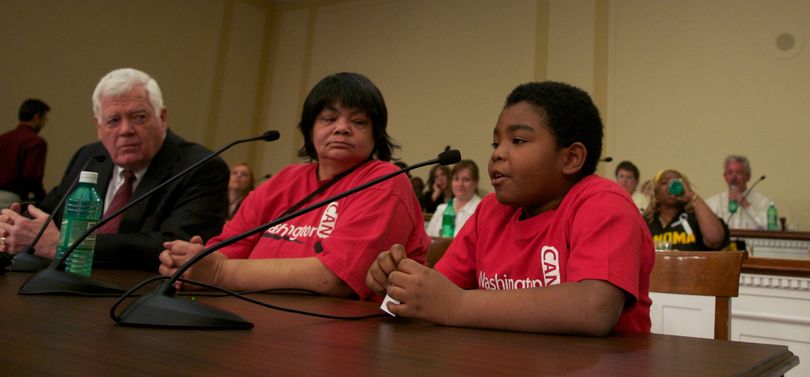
[160, 309]
[761, 178]
[26, 260]
[745, 195]
[55, 280]
[606, 159]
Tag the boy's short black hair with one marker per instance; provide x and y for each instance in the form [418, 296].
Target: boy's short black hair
[32, 107]
[572, 116]
[354, 91]
[627, 166]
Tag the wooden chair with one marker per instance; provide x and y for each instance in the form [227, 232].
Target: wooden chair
[704, 273]
[438, 246]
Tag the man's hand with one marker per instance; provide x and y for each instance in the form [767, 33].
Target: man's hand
[19, 231]
[734, 193]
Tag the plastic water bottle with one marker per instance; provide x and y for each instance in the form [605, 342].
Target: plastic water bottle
[733, 206]
[675, 187]
[449, 220]
[83, 209]
[773, 217]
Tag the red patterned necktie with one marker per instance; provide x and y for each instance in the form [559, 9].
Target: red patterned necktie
[119, 200]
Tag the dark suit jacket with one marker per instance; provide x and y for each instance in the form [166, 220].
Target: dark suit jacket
[195, 204]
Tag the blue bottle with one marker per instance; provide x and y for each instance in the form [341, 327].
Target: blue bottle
[83, 209]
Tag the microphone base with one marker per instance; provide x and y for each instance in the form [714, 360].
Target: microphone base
[54, 282]
[157, 309]
[25, 262]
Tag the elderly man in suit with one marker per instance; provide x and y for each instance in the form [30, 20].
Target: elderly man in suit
[141, 152]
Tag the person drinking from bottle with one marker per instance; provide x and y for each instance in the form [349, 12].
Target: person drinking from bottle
[680, 219]
[740, 207]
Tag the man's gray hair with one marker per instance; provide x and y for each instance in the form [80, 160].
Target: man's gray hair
[738, 158]
[123, 80]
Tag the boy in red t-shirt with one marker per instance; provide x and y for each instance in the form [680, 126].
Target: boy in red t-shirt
[556, 249]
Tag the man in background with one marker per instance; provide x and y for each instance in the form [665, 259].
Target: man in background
[627, 176]
[140, 153]
[738, 210]
[22, 155]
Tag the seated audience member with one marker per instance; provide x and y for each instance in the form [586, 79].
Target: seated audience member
[647, 190]
[239, 186]
[465, 197]
[402, 165]
[328, 250]
[141, 152]
[733, 206]
[22, 156]
[556, 249]
[439, 191]
[627, 176]
[416, 182]
[418, 188]
[683, 222]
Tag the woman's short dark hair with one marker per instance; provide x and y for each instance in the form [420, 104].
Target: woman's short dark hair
[627, 166]
[572, 116]
[350, 90]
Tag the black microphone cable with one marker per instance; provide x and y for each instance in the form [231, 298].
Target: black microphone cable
[239, 295]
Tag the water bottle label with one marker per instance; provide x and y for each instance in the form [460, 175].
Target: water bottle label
[78, 228]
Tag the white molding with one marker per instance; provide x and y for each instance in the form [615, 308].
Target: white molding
[770, 318]
[775, 282]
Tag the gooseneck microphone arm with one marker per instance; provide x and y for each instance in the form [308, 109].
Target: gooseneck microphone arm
[27, 260]
[160, 309]
[762, 178]
[267, 136]
[45, 281]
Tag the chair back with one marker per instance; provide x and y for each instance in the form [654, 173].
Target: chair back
[704, 273]
[438, 245]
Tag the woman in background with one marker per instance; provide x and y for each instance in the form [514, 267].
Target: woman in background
[438, 189]
[679, 219]
[465, 197]
[240, 185]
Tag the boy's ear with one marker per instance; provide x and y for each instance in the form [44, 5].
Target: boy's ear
[575, 155]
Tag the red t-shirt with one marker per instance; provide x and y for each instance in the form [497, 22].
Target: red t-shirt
[596, 233]
[345, 235]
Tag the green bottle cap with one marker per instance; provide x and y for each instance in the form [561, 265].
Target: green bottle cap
[675, 187]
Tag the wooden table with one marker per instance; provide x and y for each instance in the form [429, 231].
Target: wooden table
[68, 335]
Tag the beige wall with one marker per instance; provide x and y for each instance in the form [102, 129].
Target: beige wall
[692, 81]
[680, 84]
